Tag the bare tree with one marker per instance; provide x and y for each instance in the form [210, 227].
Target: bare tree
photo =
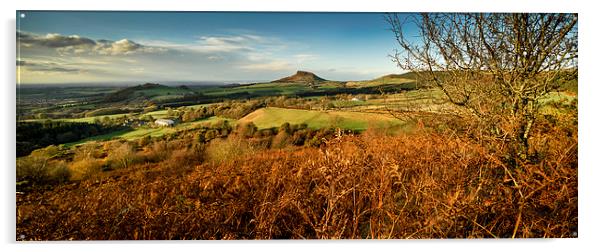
[494, 67]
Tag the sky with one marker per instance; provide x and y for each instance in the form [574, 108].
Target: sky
[80, 47]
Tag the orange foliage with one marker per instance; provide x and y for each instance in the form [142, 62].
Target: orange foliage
[419, 185]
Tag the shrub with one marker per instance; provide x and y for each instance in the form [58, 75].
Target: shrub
[158, 151]
[142, 142]
[285, 127]
[211, 134]
[281, 140]
[59, 172]
[247, 129]
[85, 168]
[121, 155]
[40, 170]
[422, 184]
[224, 150]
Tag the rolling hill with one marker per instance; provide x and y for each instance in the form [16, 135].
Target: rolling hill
[274, 117]
[148, 91]
[389, 79]
[301, 77]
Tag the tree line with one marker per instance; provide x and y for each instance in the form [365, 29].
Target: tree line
[35, 135]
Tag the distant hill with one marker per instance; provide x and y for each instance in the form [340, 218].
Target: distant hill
[148, 91]
[301, 77]
[390, 79]
[396, 78]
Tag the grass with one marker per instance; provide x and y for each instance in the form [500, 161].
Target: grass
[158, 114]
[89, 119]
[424, 184]
[260, 89]
[429, 100]
[160, 131]
[372, 186]
[163, 91]
[271, 89]
[384, 80]
[144, 131]
[274, 117]
[92, 118]
[263, 89]
[109, 136]
[348, 103]
[196, 106]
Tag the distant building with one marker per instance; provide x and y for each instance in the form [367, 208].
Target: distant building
[164, 122]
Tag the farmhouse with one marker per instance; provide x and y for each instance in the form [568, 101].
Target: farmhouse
[164, 122]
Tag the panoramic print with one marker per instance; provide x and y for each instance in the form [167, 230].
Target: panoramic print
[295, 125]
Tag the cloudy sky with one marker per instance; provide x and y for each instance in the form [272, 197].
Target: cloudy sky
[79, 47]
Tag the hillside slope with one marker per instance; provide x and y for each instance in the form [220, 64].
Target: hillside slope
[384, 80]
[274, 117]
[301, 77]
[148, 91]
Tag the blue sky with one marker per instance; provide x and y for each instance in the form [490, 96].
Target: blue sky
[67, 47]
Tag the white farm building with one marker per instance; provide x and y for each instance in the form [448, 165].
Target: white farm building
[164, 122]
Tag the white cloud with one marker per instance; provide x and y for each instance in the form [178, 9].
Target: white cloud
[53, 40]
[276, 65]
[119, 47]
[211, 57]
[216, 44]
[44, 66]
[228, 43]
[75, 44]
[252, 47]
[304, 57]
[123, 47]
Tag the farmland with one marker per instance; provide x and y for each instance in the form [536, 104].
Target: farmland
[139, 105]
[356, 112]
[263, 118]
[274, 117]
[188, 125]
[148, 131]
[273, 153]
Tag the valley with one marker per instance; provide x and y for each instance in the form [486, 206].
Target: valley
[296, 125]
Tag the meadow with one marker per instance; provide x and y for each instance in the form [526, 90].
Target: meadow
[291, 161]
[150, 131]
[474, 135]
[274, 117]
[369, 111]
[371, 186]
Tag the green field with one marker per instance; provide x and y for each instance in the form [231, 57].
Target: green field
[109, 136]
[415, 100]
[163, 93]
[144, 131]
[89, 119]
[353, 105]
[264, 89]
[158, 114]
[263, 118]
[384, 80]
[92, 118]
[274, 117]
